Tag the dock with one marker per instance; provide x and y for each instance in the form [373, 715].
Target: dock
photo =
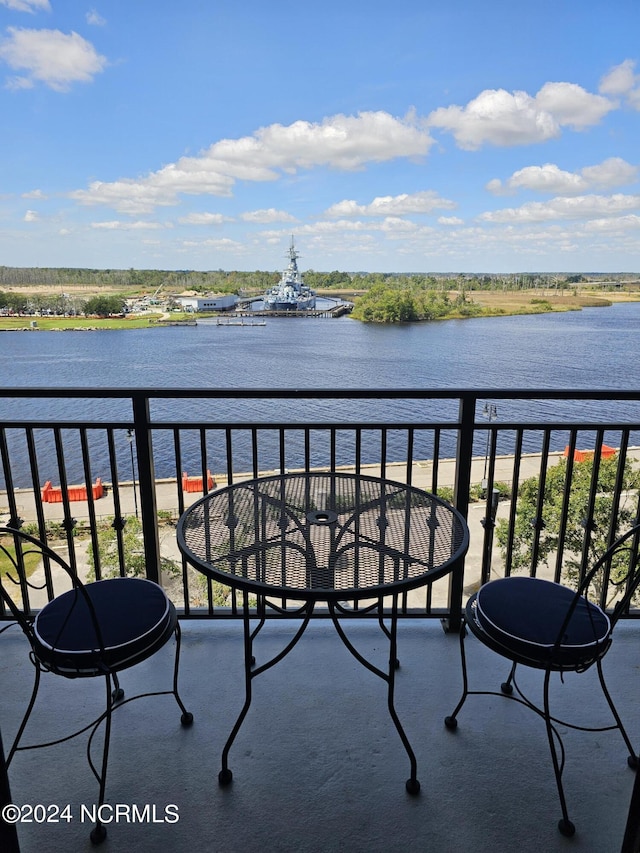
[332, 312]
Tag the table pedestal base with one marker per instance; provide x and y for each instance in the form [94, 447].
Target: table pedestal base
[225, 776]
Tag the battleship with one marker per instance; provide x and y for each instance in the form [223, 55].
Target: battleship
[291, 293]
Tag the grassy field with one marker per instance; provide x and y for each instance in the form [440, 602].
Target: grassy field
[54, 324]
[535, 302]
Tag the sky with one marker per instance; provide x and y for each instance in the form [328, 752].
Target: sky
[429, 136]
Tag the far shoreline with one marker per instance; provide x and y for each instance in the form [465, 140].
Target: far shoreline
[493, 304]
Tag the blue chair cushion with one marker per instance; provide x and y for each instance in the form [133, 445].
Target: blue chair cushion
[525, 616]
[134, 615]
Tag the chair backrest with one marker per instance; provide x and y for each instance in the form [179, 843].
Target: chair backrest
[618, 569]
[17, 575]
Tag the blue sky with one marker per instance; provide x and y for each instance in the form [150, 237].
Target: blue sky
[405, 136]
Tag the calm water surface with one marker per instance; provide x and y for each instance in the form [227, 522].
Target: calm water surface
[596, 348]
[592, 348]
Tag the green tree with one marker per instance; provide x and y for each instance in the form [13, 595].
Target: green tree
[104, 306]
[383, 304]
[577, 512]
[133, 550]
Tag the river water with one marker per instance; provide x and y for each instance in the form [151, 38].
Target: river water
[596, 348]
[592, 348]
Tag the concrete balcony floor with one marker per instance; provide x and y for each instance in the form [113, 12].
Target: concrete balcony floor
[318, 765]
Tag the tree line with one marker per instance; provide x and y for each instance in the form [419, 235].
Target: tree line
[226, 281]
[61, 305]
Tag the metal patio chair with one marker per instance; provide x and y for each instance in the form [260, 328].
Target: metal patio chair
[547, 626]
[92, 630]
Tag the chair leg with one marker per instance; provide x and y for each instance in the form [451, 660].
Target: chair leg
[27, 714]
[565, 826]
[117, 694]
[632, 760]
[507, 686]
[187, 717]
[99, 832]
[451, 721]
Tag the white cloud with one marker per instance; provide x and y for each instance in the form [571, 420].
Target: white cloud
[50, 57]
[617, 224]
[622, 80]
[339, 142]
[95, 19]
[117, 225]
[27, 5]
[396, 225]
[203, 219]
[572, 105]
[498, 117]
[450, 220]
[614, 172]
[421, 202]
[31, 216]
[270, 214]
[340, 227]
[580, 207]
[37, 194]
[549, 178]
[224, 244]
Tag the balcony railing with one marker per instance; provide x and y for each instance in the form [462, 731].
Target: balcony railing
[481, 449]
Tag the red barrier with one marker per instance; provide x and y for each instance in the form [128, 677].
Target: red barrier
[194, 484]
[53, 494]
[582, 455]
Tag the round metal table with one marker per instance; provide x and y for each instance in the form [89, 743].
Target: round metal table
[332, 537]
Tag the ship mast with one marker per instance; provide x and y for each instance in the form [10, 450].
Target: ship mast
[293, 256]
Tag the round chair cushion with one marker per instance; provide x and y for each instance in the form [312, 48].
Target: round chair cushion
[525, 615]
[134, 616]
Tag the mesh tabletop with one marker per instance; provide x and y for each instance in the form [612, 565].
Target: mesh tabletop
[322, 536]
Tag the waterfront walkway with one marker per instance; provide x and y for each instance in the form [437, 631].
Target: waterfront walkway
[167, 498]
[167, 489]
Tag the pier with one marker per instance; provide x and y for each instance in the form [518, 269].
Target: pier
[334, 311]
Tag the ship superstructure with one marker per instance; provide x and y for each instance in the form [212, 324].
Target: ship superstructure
[291, 293]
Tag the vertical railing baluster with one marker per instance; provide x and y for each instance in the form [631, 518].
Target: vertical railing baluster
[409, 471]
[147, 483]
[539, 523]
[589, 522]
[204, 464]
[91, 508]
[307, 449]
[464, 456]
[254, 452]
[489, 520]
[282, 450]
[564, 512]
[68, 521]
[177, 456]
[228, 443]
[119, 520]
[435, 461]
[14, 520]
[515, 487]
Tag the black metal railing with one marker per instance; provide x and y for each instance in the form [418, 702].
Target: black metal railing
[134, 454]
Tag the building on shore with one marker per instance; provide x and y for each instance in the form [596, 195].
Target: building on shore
[210, 302]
